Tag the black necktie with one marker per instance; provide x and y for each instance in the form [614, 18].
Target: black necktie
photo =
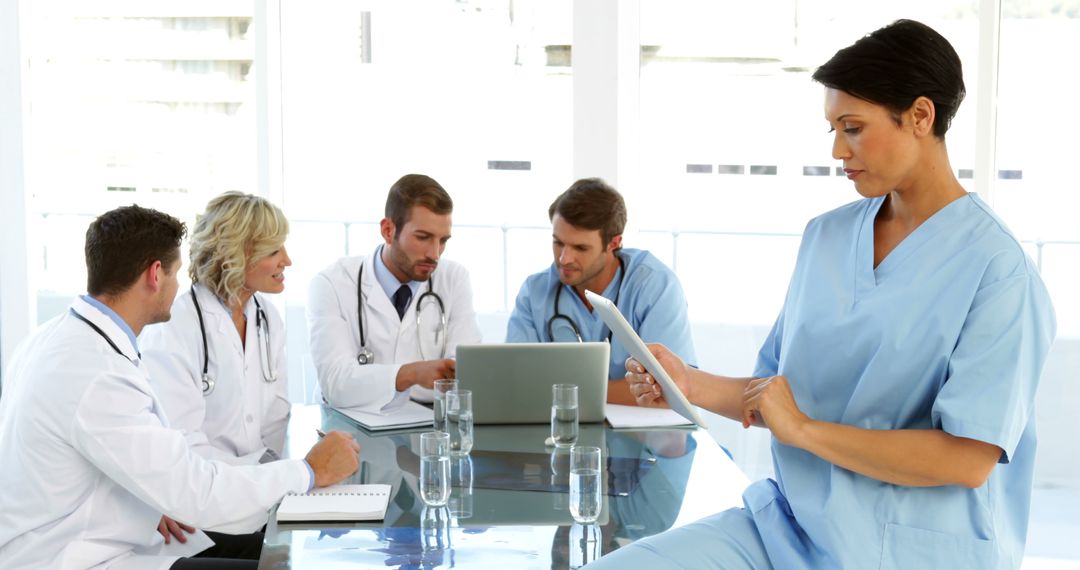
[401, 300]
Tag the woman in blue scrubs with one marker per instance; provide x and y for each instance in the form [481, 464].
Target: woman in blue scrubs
[899, 379]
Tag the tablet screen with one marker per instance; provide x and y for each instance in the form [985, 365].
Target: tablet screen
[636, 347]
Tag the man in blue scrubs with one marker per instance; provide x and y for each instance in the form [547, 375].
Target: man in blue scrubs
[587, 222]
[899, 379]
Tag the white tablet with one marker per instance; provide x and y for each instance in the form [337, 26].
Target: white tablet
[636, 347]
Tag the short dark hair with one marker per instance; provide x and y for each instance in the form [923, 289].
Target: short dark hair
[897, 64]
[122, 243]
[592, 204]
[415, 190]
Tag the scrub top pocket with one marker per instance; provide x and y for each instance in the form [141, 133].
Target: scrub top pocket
[906, 547]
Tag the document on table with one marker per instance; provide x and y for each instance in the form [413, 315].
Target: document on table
[620, 416]
[408, 415]
[337, 503]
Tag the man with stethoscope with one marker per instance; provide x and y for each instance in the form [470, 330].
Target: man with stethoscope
[218, 364]
[385, 326]
[587, 222]
[89, 459]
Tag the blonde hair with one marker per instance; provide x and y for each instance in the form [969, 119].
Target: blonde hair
[236, 231]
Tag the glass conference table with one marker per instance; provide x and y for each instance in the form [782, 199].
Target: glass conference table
[508, 505]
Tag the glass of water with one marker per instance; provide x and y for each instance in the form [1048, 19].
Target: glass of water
[435, 468]
[585, 483]
[564, 414]
[459, 420]
[439, 402]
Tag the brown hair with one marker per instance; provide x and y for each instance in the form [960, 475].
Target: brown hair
[122, 243]
[592, 204]
[415, 190]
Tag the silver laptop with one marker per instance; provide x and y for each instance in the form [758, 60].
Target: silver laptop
[511, 383]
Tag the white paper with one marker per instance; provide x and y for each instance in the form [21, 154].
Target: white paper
[620, 416]
[196, 543]
[410, 414]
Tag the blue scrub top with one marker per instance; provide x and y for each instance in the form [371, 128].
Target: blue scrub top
[650, 297]
[949, 332]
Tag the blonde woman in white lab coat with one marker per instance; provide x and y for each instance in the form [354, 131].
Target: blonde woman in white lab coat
[367, 354]
[218, 365]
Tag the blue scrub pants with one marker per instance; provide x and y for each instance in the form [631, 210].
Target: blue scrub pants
[728, 540]
[762, 535]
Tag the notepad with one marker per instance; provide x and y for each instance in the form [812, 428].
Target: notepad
[336, 503]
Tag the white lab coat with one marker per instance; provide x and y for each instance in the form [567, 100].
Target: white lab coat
[89, 463]
[335, 333]
[244, 414]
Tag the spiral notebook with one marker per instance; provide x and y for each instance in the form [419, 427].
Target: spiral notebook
[336, 503]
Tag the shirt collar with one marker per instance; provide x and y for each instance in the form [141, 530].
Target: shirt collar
[221, 302]
[387, 281]
[108, 312]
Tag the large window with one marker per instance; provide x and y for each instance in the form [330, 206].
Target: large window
[735, 150]
[475, 94]
[1037, 196]
[130, 103]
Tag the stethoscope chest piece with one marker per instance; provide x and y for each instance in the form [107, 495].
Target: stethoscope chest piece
[366, 356]
[208, 384]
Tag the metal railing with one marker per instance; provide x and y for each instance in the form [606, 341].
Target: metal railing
[505, 230]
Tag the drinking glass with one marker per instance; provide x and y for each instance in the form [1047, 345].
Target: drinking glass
[585, 483]
[439, 402]
[459, 421]
[564, 414]
[434, 468]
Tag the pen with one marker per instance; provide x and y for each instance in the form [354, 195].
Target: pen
[320, 432]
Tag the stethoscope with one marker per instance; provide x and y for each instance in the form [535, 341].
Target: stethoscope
[262, 325]
[366, 356]
[102, 334]
[573, 326]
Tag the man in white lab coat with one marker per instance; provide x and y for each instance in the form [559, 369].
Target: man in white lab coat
[89, 463]
[376, 345]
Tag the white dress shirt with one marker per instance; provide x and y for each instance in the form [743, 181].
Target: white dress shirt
[335, 333]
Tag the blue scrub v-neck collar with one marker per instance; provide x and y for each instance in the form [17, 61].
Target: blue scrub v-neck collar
[868, 277]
